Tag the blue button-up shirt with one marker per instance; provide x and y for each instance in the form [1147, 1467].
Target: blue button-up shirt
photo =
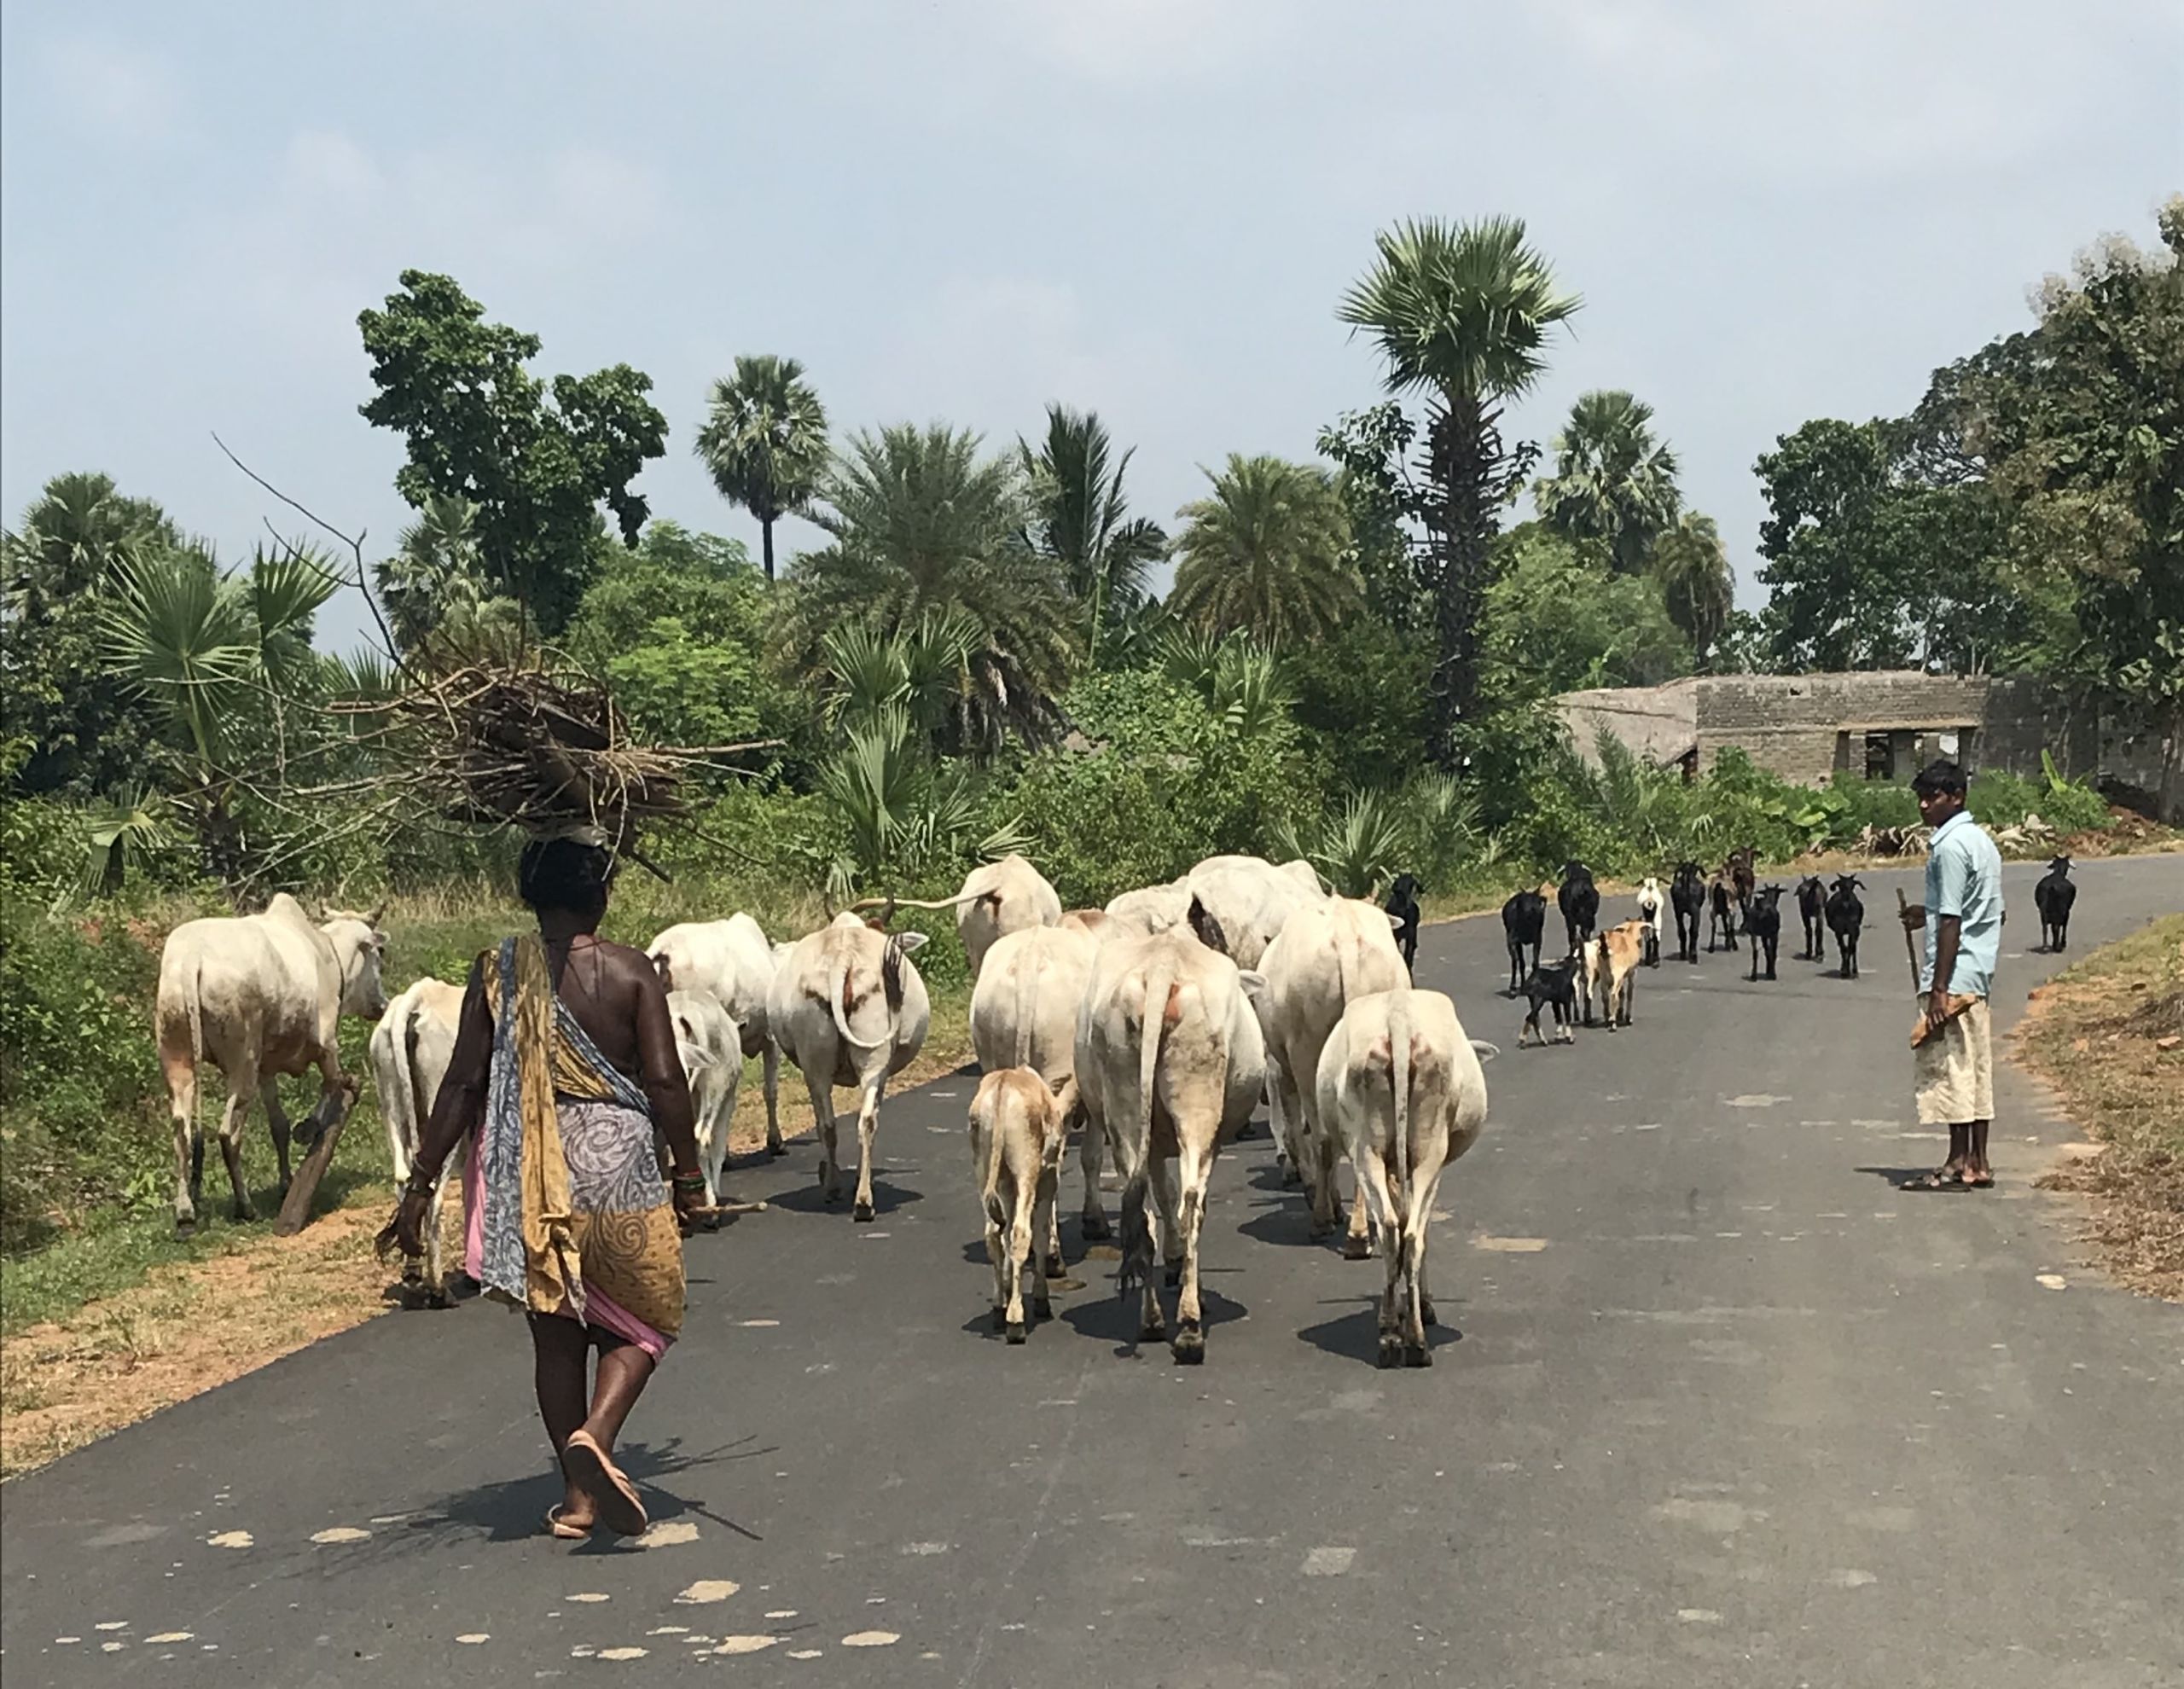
[1963, 879]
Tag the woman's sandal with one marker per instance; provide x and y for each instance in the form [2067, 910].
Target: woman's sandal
[1940, 1179]
[558, 1526]
[585, 1465]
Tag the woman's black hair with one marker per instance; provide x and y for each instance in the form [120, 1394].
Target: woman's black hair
[564, 874]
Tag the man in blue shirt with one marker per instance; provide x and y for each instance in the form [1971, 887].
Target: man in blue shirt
[1953, 1048]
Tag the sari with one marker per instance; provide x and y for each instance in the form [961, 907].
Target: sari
[567, 1212]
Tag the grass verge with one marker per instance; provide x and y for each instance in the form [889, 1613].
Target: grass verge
[2108, 1036]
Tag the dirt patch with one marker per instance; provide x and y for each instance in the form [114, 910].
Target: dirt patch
[2107, 1038]
[193, 1326]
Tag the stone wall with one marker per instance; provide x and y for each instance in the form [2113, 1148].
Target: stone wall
[1806, 727]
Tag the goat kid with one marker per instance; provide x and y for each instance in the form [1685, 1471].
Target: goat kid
[1763, 924]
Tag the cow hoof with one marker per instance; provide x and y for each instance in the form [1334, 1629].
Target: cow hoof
[1291, 1178]
[1171, 1276]
[437, 1298]
[1053, 1266]
[1190, 1346]
[1153, 1331]
[1417, 1354]
[1355, 1248]
[1390, 1350]
[863, 1214]
[184, 1230]
[1243, 1131]
[1093, 1226]
[1015, 1331]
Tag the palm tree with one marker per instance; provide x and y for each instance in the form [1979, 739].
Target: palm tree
[1266, 553]
[764, 441]
[438, 574]
[1696, 580]
[1461, 313]
[1080, 519]
[1613, 482]
[70, 540]
[924, 526]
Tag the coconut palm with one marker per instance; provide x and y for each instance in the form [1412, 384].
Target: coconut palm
[1613, 482]
[764, 441]
[1266, 553]
[1696, 580]
[924, 525]
[1461, 313]
[1081, 518]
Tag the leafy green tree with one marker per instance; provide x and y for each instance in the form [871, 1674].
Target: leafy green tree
[1697, 584]
[677, 629]
[764, 441]
[1461, 313]
[1360, 692]
[537, 461]
[1081, 518]
[1265, 554]
[1868, 568]
[1613, 482]
[82, 734]
[440, 607]
[1559, 618]
[921, 523]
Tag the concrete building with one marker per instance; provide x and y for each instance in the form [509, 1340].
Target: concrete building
[1884, 724]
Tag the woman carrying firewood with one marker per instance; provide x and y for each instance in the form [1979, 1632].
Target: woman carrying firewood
[564, 1062]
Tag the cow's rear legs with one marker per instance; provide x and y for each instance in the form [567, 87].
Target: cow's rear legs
[867, 1129]
[233, 1119]
[1190, 1320]
[822, 1119]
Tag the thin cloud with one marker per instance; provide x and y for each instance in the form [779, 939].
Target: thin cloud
[112, 91]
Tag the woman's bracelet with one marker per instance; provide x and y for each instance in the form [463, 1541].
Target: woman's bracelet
[688, 1181]
[420, 1183]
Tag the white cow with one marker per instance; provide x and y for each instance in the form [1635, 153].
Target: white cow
[1024, 1014]
[849, 1009]
[260, 996]
[1402, 1084]
[711, 1046]
[409, 1055]
[1017, 1132]
[999, 898]
[731, 961]
[1151, 908]
[1169, 1060]
[1327, 955]
[1251, 900]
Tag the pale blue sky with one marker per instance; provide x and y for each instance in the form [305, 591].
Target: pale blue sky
[963, 209]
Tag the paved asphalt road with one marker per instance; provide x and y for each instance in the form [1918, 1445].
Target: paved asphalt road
[1726, 1409]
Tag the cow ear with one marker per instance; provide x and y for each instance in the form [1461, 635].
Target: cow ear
[1253, 981]
[910, 942]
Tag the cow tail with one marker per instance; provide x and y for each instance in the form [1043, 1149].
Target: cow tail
[1399, 1078]
[989, 1175]
[837, 980]
[1027, 985]
[1137, 1225]
[197, 1070]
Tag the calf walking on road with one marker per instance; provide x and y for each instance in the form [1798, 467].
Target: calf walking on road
[1016, 1138]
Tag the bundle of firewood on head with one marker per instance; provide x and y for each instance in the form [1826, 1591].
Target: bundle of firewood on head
[545, 751]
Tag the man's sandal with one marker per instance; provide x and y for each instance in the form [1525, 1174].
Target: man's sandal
[558, 1526]
[586, 1466]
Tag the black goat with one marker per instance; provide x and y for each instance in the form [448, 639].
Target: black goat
[1524, 919]
[1812, 898]
[1579, 900]
[1721, 913]
[1554, 985]
[2053, 896]
[1687, 896]
[1762, 924]
[1847, 918]
[1403, 905]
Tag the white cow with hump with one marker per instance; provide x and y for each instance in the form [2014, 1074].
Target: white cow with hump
[1251, 900]
[1150, 909]
[999, 898]
[849, 1009]
[731, 961]
[1170, 1059]
[409, 1055]
[260, 996]
[711, 1049]
[1327, 955]
[1402, 1084]
[1024, 1014]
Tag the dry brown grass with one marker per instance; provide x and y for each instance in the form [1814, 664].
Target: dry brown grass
[193, 1326]
[2107, 1035]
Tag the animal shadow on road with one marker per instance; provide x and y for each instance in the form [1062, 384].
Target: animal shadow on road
[1073, 1248]
[1286, 1221]
[886, 1198]
[1115, 1317]
[514, 1508]
[1356, 1336]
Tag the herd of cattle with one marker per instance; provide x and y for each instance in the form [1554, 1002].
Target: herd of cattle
[1153, 1027]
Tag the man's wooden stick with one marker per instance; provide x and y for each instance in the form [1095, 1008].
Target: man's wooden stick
[1910, 944]
[725, 1209]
